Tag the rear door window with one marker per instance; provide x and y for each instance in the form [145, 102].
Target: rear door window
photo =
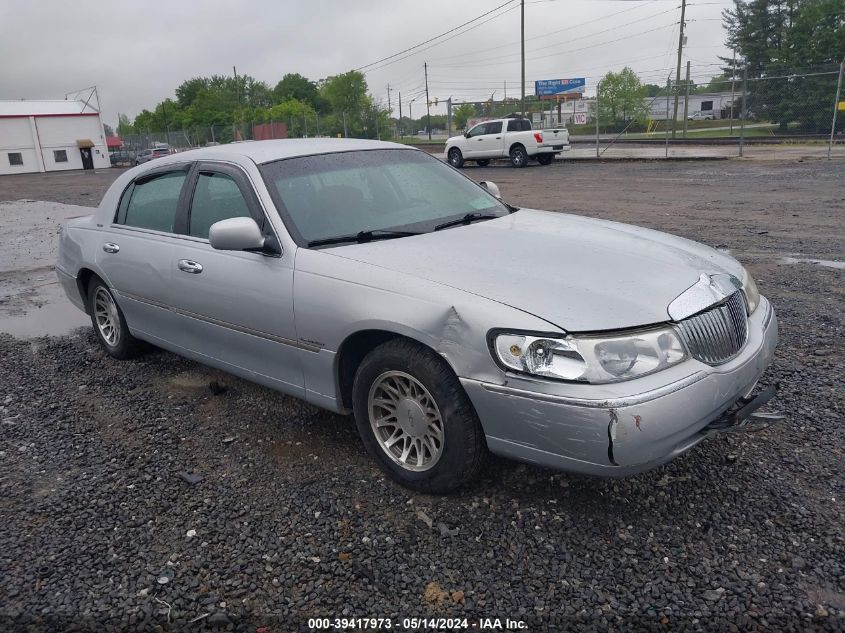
[151, 202]
[494, 127]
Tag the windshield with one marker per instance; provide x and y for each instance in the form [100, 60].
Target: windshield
[332, 195]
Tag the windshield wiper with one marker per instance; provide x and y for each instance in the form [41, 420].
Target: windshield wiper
[469, 217]
[362, 236]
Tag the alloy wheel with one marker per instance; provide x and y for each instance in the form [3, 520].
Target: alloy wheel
[406, 421]
[106, 316]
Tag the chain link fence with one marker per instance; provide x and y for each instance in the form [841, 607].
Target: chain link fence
[772, 116]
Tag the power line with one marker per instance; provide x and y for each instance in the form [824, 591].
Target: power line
[569, 28]
[452, 30]
[474, 26]
[572, 50]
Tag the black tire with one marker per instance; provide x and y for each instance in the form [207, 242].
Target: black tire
[519, 157]
[463, 448]
[483, 162]
[124, 345]
[456, 159]
[545, 159]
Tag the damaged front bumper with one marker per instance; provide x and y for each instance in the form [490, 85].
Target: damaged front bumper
[630, 427]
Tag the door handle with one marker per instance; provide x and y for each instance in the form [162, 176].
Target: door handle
[111, 247]
[189, 266]
[498, 138]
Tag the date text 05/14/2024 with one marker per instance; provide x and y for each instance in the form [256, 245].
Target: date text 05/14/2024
[418, 624]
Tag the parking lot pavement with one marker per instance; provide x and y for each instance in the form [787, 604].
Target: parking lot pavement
[133, 496]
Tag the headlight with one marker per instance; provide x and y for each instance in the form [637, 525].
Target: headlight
[749, 287]
[593, 359]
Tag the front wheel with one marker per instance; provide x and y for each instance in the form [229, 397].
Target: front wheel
[483, 163]
[519, 157]
[545, 159]
[415, 418]
[456, 159]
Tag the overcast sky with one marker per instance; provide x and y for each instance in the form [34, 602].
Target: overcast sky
[136, 53]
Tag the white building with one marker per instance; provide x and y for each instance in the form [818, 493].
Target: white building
[38, 136]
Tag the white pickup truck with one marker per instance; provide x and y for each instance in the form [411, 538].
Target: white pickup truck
[506, 138]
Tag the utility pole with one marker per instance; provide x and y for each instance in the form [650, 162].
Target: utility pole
[522, 45]
[389, 108]
[743, 111]
[449, 116]
[506, 89]
[237, 95]
[668, 88]
[427, 101]
[598, 89]
[400, 114]
[733, 91]
[836, 106]
[678, 72]
[686, 101]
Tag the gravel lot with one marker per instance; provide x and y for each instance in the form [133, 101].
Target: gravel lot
[290, 519]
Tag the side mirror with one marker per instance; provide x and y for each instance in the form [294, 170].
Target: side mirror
[492, 188]
[236, 234]
[466, 134]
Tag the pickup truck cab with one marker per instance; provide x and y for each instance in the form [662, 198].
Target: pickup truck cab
[506, 138]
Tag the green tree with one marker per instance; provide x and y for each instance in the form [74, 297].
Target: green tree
[346, 98]
[295, 86]
[296, 114]
[622, 97]
[461, 114]
[124, 126]
[783, 44]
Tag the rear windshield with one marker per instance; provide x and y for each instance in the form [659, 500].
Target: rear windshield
[519, 125]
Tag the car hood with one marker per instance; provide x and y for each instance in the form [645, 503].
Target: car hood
[580, 274]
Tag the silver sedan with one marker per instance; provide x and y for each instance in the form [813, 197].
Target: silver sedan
[373, 279]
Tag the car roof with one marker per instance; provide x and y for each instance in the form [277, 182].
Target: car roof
[268, 151]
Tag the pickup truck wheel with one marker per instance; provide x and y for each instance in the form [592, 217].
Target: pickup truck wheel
[456, 159]
[109, 323]
[415, 418]
[545, 159]
[519, 157]
[483, 163]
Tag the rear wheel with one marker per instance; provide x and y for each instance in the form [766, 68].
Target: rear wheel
[519, 157]
[456, 159]
[483, 163]
[109, 322]
[415, 418]
[545, 159]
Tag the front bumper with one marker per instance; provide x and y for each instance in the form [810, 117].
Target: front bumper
[623, 428]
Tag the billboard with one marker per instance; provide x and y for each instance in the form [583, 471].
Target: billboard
[559, 88]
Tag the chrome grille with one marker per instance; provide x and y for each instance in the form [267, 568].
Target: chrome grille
[717, 334]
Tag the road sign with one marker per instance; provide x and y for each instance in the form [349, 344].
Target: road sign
[554, 88]
[536, 117]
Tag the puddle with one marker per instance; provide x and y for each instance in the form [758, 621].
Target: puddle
[827, 263]
[53, 315]
[32, 303]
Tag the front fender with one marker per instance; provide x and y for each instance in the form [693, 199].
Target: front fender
[335, 298]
